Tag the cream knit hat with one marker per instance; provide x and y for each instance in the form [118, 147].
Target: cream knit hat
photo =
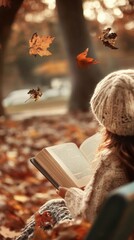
[113, 102]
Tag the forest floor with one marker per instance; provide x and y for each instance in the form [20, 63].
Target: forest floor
[23, 189]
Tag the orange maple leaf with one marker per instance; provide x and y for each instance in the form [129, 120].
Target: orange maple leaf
[83, 60]
[5, 3]
[39, 44]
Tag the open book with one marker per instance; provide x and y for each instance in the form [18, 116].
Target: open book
[66, 164]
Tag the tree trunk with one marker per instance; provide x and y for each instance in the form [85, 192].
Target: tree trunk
[7, 16]
[76, 40]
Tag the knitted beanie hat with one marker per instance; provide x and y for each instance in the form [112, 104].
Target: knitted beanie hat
[113, 102]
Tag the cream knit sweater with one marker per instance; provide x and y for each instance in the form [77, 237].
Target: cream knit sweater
[107, 174]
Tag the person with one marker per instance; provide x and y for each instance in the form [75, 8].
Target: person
[112, 104]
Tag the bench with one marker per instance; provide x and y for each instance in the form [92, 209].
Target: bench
[116, 218]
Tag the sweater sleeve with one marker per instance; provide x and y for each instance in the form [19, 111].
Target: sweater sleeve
[88, 202]
[73, 199]
[107, 178]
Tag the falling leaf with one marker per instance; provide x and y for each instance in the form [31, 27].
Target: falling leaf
[39, 44]
[83, 60]
[34, 94]
[5, 3]
[108, 39]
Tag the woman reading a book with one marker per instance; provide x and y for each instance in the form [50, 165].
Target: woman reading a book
[113, 106]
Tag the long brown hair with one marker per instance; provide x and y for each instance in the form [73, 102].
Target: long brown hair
[124, 147]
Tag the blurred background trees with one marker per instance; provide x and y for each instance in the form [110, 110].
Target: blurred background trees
[76, 25]
[77, 38]
[7, 17]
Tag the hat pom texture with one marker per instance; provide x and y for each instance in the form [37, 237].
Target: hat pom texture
[113, 102]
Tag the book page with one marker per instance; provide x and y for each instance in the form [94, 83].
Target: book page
[72, 161]
[54, 169]
[90, 145]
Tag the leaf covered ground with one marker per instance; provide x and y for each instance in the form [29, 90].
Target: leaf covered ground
[23, 189]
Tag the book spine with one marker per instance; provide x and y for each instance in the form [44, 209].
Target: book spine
[44, 172]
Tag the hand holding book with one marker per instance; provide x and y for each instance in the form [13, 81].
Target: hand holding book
[61, 191]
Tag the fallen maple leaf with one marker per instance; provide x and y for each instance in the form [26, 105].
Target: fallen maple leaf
[39, 44]
[108, 39]
[71, 230]
[68, 230]
[34, 94]
[5, 3]
[83, 60]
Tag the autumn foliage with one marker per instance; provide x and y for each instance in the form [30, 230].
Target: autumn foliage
[23, 189]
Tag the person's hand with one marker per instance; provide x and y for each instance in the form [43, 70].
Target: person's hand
[61, 191]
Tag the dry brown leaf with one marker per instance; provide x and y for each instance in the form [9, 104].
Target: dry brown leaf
[34, 94]
[108, 38]
[39, 45]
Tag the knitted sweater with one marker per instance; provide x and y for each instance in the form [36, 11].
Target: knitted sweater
[107, 173]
